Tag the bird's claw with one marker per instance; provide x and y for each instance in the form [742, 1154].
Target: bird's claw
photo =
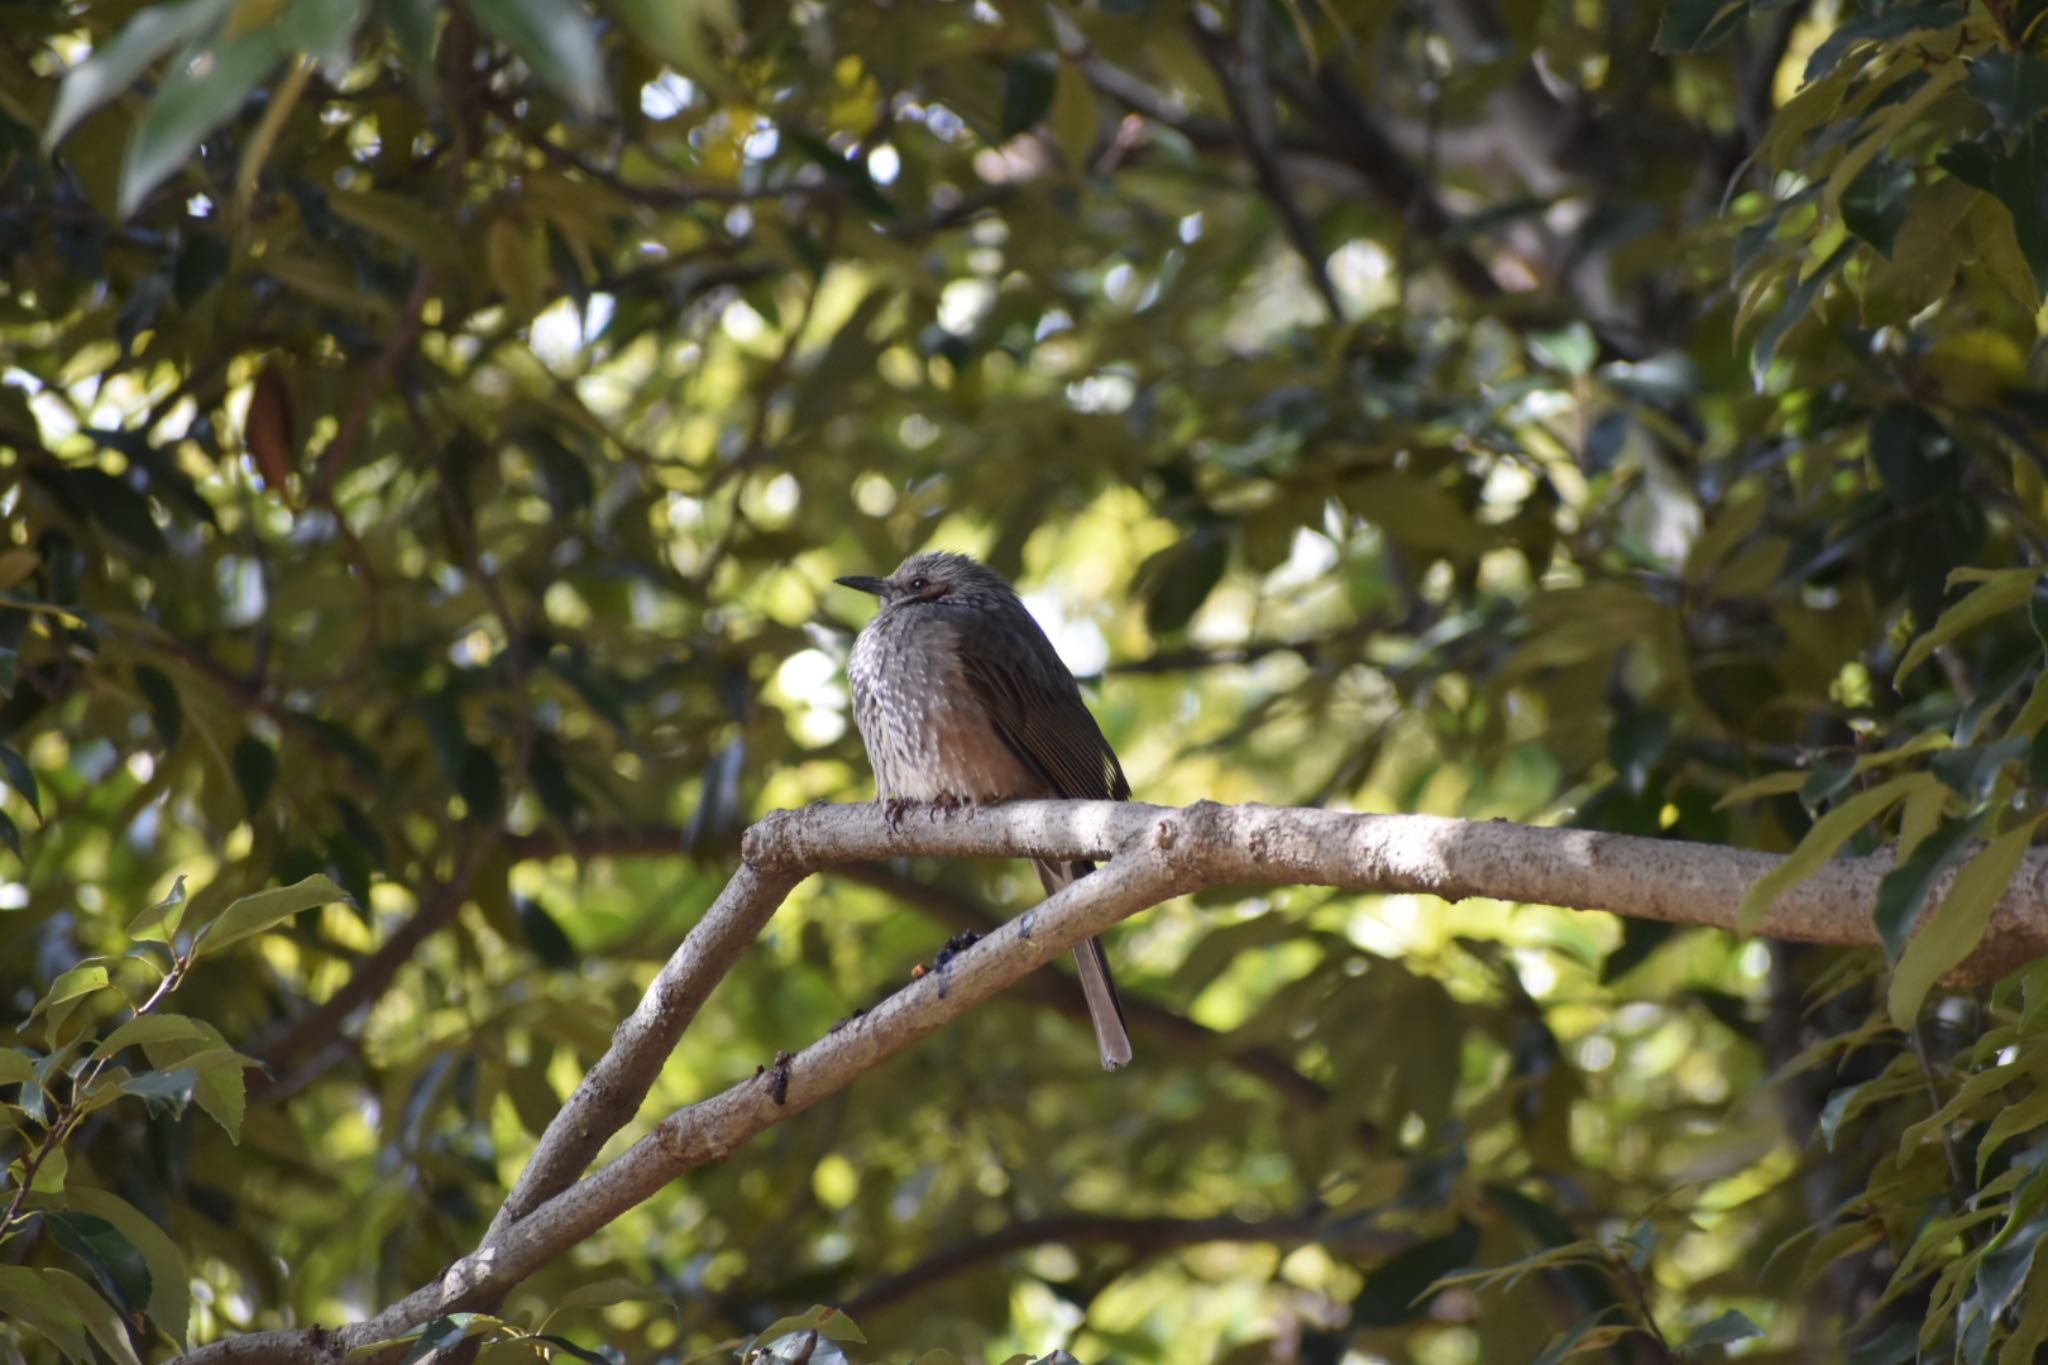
[946, 804]
[893, 810]
[955, 946]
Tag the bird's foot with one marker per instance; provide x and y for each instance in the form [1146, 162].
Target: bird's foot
[946, 803]
[955, 946]
[893, 810]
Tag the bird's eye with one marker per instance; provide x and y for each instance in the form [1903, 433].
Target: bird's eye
[919, 584]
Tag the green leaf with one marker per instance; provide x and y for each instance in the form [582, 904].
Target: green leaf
[27, 1300]
[444, 1331]
[2015, 174]
[681, 32]
[96, 1313]
[1030, 80]
[2007, 591]
[12, 836]
[144, 925]
[170, 1300]
[544, 935]
[1902, 895]
[1731, 1326]
[164, 1091]
[1571, 349]
[1958, 923]
[1796, 306]
[1697, 25]
[111, 1257]
[265, 910]
[1878, 28]
[324, 30]
[165, 709]
[112, 68]
[22, 778]
[1401, 1288]
[17, 1067]
[205, 86]
[1181, 579]
[2012, 87]
[1565, 1344]
[1821, 843]
[555, 38]
[255, 766]
[148, 1028]
[77, 982]
[826, 1321]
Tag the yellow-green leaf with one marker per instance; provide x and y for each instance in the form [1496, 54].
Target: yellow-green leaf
[1821, 843]
[1955, 927]
[266, 910]
[96, 1313]
[2007, 591]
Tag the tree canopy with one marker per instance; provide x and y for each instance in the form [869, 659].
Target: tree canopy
[428, 437]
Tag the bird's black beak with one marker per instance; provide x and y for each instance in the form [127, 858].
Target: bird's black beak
[877, 586]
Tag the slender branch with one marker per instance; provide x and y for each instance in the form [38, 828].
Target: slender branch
[1140, 1236]
[342, 449]
[1148, 854]
[374, 974]
[1250, 97]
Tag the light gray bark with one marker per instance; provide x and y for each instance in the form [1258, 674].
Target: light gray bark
[1149, 854]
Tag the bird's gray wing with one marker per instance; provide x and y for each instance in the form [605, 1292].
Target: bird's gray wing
[1037, 711]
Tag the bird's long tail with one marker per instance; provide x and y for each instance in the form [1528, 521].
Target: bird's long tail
[1105, 1011]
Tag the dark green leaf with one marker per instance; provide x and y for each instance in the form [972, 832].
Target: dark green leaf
[166, 711]
[1696, 25]
[1902, 895]
[1181, 579]
[1030, 80]
[2012, 87]
[112, 1258]
[1874, 204]
[119, 508]
[439, 1333]
[1394, 1292]
[11, 836]
[1731, 1326]
[1796, 306]
[544, 935]
[2017, 174]
[481, 784]
[1889, 24]
[256, 770]
[554, 37]
[22, 778]
[551, 784]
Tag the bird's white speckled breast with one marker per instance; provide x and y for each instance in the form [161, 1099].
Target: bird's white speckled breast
[926, 731]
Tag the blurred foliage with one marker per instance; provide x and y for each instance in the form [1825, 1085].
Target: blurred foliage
[427, 439]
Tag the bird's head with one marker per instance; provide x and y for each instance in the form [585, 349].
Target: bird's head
[934, 577]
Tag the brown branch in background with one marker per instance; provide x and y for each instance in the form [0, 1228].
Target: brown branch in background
[1244, 80]
[342, 449]
[1141, 1237]
[373, 974]
[1367, 147]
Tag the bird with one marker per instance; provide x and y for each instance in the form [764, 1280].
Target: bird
[960, 697]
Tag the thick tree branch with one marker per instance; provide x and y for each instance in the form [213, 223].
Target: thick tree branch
[1149, 854]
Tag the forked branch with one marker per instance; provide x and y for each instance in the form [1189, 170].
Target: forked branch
[1149, 854]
